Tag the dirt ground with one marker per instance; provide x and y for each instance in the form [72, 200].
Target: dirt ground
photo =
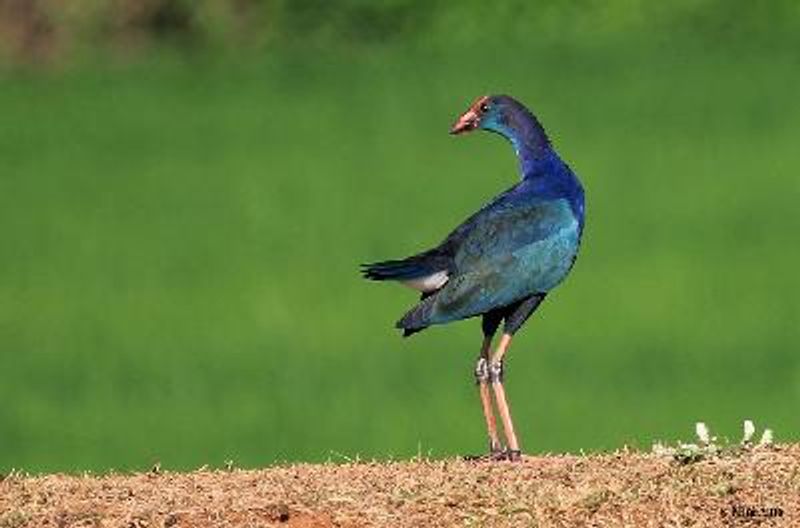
[760, 487]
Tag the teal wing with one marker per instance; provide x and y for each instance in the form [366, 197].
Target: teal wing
[505, 253]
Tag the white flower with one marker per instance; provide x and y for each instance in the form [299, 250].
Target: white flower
[702, 433]
[749, 431]
[766, 438]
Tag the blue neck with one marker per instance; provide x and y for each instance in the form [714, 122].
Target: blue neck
[527, 136]
[529, 155]
[541, 168]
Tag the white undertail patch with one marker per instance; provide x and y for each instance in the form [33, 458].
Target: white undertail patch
[428, 283]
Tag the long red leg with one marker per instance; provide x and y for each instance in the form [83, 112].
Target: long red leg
[482, 377]
[496, 376]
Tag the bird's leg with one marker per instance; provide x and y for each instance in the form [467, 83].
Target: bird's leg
[482, 377]
[496, 379]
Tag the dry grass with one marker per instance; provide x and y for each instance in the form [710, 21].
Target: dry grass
[618, 489]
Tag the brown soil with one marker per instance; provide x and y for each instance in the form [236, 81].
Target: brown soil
[760, 487]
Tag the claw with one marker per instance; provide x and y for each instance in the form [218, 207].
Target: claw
[499, 455]
[513, 455]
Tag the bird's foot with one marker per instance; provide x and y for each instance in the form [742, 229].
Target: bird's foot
[496, 449]
[496, 454]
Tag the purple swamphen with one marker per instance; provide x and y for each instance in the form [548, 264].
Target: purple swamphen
[503, 260]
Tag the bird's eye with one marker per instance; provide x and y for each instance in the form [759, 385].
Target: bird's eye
[484, 107]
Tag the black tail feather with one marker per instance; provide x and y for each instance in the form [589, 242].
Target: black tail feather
[411, 331]
[418, 318]
[405, 269]
[421, 265]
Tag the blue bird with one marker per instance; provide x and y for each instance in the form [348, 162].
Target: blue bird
[502, 261]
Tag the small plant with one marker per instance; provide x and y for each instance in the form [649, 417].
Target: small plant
[709, 446]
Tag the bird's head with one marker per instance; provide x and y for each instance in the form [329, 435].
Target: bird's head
[506, 116]
[489, 112]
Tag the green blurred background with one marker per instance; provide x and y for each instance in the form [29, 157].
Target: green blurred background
[187, 189]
